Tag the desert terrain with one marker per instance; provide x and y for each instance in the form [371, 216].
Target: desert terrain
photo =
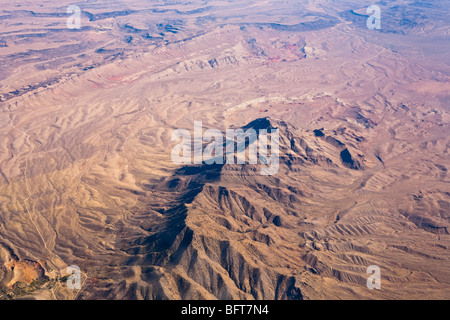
[87, 179]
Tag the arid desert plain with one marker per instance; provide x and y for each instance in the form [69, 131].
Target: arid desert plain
[88, 180]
